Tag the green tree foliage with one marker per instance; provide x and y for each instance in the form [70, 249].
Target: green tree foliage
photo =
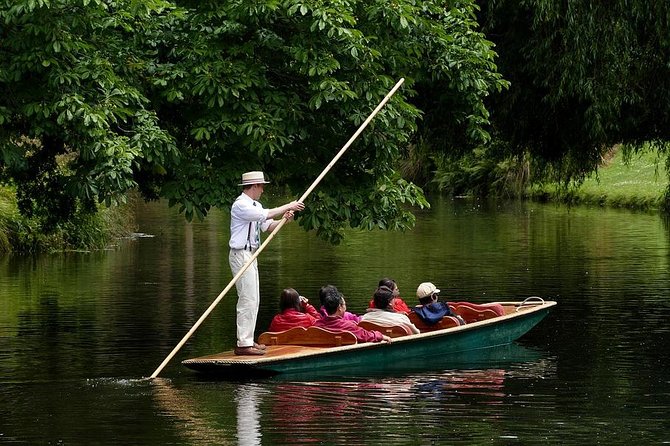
[584, 76]
[282, 84]
[75, 126]
[179, 98]
[482, 172]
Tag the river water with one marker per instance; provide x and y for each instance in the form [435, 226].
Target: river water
[79, 331]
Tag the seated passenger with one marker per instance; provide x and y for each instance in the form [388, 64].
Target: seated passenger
[384, 314]
[323, 292]
[431, 309]
[398, 304]
[336, 306]
[295, 311]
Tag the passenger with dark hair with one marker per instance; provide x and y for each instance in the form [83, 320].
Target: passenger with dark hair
[398, 304]
[295, 311]
[384, 313]
[335, 306]
[323, 292]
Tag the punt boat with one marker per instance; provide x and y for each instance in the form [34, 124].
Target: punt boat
[342, 354]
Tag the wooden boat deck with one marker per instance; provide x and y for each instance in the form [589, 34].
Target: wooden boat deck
[273, 351]
[228, 363]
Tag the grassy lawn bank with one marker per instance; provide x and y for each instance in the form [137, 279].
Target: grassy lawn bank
[638, 184]
[20, 234]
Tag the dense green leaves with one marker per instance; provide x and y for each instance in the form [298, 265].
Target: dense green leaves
[178, 98]
[75, 125]
[282, 85]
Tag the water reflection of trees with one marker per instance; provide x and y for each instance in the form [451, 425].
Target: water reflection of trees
[340, 412]
[193, 420]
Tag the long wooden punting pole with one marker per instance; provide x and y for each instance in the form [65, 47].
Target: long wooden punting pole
[276, 230]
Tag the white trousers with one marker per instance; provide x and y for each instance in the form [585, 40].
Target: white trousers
[248, 296]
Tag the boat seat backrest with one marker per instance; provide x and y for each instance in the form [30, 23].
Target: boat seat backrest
[476, 312]
[309, 337]
[445, 322]
[392, 331]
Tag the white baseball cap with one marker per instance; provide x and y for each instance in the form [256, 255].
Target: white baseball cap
[426, 289]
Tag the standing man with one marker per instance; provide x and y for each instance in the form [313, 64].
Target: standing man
[247, 220]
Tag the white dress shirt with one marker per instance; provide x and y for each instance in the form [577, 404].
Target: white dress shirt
[384, 317]
[247, 219]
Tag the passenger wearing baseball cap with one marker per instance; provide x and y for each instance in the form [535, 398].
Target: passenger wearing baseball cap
[247, 219]
[427, 293]
[431, 309]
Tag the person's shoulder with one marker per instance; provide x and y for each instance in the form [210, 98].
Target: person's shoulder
[347, 323]
[394, 316]
[238, 202]
[370, 317]
[403, 317]
[242, 199]
[348, 316]
[371, 312]
[400, 305]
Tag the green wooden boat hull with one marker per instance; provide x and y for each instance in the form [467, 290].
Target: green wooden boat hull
[459, 345]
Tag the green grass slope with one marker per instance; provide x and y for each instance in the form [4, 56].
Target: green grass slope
[639, 182]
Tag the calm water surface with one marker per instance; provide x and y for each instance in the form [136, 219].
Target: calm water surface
[78, 331]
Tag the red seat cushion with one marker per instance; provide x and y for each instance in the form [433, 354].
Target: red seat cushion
[472, 312]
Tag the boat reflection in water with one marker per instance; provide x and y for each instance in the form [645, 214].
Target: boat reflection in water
[300, 409]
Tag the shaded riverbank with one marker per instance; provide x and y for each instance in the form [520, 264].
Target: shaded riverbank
[82, 233]
[637, 183]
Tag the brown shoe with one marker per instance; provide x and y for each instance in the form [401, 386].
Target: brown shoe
[249, 351]
[260, 346]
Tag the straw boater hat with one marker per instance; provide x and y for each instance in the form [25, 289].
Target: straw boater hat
[426, 289]
[255, 177]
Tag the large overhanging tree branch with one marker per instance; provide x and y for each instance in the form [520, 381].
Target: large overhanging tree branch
[103, 97]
